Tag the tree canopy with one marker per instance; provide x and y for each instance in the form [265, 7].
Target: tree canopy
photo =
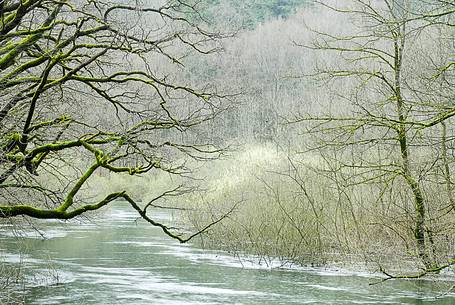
[247, 14]
[92, 86]
[396, 93]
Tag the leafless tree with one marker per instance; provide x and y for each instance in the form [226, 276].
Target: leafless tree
[91, 86]
[393, 84]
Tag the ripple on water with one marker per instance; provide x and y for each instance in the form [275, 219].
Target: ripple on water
[147, 299]
[331, 288]
[127, 281]
[18, 258]
[123, 267]
[41, 234]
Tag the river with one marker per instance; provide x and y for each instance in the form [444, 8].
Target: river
[117, 259]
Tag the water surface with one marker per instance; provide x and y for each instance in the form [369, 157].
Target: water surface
[118, 259]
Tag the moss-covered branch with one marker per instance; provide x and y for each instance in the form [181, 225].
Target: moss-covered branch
[70, 57]
[59, 213]
[31, 211]
[9, 58]
[70, 196]
[425, 272]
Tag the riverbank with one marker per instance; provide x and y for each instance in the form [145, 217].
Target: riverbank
[121, 260]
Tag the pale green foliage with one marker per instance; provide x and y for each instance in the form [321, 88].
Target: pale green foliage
[143, 187]
[271, 219]
[289, 208]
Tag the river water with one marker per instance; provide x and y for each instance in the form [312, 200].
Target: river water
[117, 259]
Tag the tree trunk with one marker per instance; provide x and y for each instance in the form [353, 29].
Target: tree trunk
[419, 201]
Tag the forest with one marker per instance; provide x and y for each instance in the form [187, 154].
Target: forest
[281, 132]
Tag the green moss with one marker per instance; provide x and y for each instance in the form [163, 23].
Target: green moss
[15, 157]
[14, 137]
